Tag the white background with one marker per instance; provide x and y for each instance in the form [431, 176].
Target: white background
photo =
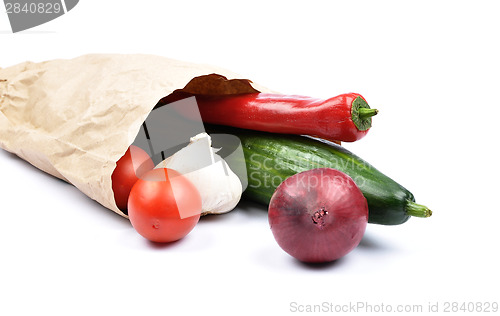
[431, 68]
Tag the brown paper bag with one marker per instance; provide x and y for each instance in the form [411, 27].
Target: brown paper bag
[75, 118]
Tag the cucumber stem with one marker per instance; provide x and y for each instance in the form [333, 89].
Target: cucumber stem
[417, 210]
[365, 113]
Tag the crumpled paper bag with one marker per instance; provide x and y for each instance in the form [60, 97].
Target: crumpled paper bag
[75, 118]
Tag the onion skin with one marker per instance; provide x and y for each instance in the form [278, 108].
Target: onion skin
[319, 215]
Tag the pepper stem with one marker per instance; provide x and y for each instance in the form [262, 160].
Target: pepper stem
[417, 210]
[365, 113]
[361, 114]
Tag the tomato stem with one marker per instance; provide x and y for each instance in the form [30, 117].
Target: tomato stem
[417, 210]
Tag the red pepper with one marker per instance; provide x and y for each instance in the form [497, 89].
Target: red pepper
[346, 117]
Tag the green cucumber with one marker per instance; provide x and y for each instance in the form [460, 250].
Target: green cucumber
[271, 158]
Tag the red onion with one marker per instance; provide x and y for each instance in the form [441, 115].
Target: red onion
[318, 215]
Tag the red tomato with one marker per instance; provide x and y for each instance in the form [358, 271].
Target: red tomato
[164, 205]
[128, 170]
